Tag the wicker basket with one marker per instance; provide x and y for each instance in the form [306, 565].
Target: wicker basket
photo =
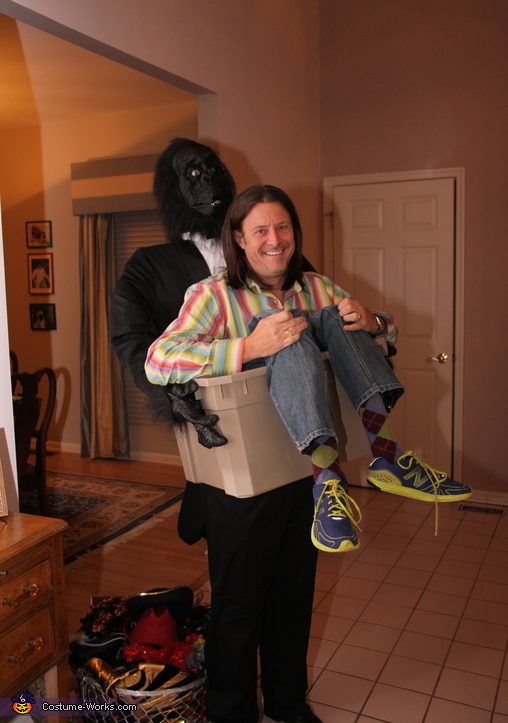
[184, 704]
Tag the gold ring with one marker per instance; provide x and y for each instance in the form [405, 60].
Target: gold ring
[288, 332]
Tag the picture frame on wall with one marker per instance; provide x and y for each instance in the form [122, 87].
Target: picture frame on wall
[42, 317]
[40, 274]
[38, 234]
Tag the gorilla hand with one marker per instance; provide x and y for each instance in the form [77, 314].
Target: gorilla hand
[187, 408]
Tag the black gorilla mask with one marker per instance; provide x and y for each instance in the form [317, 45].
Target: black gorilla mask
[198, 172]
[193, 189]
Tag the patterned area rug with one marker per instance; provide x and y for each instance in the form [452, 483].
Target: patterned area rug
[97, 510]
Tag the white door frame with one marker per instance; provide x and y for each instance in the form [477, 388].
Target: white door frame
[458, 174]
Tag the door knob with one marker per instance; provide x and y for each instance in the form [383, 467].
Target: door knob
[441, 358]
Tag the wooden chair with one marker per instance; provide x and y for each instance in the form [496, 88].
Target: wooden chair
[34, 403]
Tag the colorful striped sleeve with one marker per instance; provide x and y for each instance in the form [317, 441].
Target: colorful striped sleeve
[196, 344]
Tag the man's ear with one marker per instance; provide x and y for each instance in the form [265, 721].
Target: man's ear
[238, 238]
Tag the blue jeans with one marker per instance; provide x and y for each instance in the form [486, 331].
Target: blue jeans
[297, 379]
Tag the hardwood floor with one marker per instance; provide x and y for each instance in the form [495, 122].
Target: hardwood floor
[137, 561]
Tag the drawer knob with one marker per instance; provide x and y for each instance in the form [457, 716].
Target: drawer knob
[32, 645]
[28, 591]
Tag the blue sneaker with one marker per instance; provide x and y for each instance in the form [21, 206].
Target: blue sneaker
[410, 477]
[334, 516]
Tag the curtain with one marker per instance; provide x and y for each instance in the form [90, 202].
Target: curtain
[104, 427]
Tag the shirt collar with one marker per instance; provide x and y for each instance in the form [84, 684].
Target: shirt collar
[255, 287]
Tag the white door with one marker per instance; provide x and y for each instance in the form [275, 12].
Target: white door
[393, 250]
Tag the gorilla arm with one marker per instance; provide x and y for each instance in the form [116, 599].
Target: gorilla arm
[147, 297]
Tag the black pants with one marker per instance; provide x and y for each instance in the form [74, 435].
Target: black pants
[262, 571]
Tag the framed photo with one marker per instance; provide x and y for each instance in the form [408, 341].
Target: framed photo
[42, 317]
[40, 274]
[3, 497]
[38, 234]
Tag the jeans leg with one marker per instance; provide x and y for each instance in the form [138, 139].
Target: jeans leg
[356, 360]
[298, 386]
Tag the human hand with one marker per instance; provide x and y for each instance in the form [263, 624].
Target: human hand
[272, 334]
[357, 316]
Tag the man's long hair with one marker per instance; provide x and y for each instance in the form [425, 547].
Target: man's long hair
[236, 260]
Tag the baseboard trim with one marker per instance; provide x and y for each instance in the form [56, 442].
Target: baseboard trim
[489, 498]
[173, 459]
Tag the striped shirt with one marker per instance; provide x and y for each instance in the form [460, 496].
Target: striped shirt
[208, 337]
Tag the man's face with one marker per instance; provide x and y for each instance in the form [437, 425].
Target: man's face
[197, 171]
[268, 241]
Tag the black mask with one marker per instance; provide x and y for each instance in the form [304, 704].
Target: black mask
[198, 179]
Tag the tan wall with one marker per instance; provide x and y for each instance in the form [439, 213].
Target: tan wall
[409, 85]
[259, 58]
[35, 185]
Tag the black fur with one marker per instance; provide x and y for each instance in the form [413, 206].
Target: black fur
[177, 215]
[193, 190]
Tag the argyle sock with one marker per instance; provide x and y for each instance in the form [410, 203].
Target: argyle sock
[379, 430]
[324, 458]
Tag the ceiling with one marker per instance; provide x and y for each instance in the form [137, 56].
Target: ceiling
[45, 79]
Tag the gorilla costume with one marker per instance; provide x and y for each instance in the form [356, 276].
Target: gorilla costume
[194, 190]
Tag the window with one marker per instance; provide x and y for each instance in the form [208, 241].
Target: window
[134, 229]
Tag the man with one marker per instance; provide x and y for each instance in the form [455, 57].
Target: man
[261, 558]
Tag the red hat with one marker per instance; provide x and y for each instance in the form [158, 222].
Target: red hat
[156, 626]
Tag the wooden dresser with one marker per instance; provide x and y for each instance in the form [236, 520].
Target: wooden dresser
[33, 621]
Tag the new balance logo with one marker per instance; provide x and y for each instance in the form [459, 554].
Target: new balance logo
[416, 477]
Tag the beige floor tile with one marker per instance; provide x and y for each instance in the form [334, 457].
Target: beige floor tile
[494, 573]
[343, 606]
[480, 633]
[489, 612]
[442, 602]
[356, 587]
[471, 689]
[416, 675]
[467, 539]
[411, 578]
[320, 652]
[359, 662]
[339, 690]
[430, 623]
[460, 552]
[450, 584]
[412, 561]
[396, 705]
[460, 568]
[330, 627]
[502, 698]
[387, 541]
[492, 591]
[393, 616]
[422, 647]
[379, 556]
[397, 594]
[475, 659]
[432, 547]
[369, 570]
[333, 715]
[372, 637]
[445, 711]
[325, 581]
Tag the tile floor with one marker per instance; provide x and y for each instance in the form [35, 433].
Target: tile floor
[413, 627]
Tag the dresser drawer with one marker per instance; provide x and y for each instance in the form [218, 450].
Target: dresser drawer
[26, 645]
[19, 592]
